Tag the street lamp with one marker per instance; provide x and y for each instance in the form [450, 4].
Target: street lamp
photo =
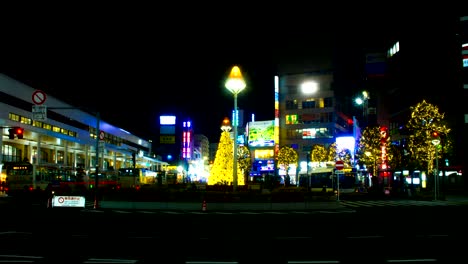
[235, 84]
[436, 141]
[364, 101]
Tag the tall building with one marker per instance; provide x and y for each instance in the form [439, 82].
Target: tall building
[308, 114]
[199, 164]
[423, 60]
[463, 45]
[422, 65]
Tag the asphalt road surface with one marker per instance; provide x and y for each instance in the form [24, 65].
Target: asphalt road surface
[379, 234]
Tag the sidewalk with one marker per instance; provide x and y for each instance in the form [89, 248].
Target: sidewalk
[332, 205]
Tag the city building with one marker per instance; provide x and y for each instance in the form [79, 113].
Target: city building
[308, 115]
[56, 135]
[463, 45]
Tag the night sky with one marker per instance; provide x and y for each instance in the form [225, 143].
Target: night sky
[134, 65]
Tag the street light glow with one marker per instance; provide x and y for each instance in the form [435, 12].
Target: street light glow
[309, 87]
[235, 82]
[365, 94]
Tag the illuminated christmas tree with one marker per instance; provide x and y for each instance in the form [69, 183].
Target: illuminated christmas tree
[221, 172]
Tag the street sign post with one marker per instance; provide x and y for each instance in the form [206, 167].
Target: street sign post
[339, 165]
[39, 112]
[338, 174]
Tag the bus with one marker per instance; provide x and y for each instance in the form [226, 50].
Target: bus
[327, 177]
[107, 180]
[135, 177]
[17, 177]
[23, 177]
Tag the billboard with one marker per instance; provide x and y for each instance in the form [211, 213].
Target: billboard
[167, 130]
[166, 139]
[167, 120]
[261, 134]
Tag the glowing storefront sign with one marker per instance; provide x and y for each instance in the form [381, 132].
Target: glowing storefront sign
[261, 134]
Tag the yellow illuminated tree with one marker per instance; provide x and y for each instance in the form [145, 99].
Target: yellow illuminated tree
[286, 157]
[319, 153]
[221, 172]
[426, 119]
[244, 161]
[332, 152]
[369, 148]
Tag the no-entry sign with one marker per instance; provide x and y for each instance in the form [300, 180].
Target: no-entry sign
[339, 165]
[38, 97]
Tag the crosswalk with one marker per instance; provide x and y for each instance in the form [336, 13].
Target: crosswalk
[400, 203]
[346, 207]
[181, 212]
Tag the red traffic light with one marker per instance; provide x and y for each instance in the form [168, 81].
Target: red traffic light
[435, 134]
[19, 132]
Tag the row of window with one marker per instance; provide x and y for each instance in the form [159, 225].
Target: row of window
[309, 133]
[309, 118]
[111, 139]
[309, 103]
[29, 121]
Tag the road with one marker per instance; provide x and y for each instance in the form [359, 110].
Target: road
[378, 234]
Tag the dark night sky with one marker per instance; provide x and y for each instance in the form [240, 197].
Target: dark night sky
[134, 65]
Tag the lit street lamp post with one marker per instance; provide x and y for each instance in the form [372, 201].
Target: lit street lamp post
[235, 84]
[436, 142]
[364, 101]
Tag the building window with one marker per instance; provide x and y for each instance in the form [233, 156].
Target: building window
[291, 104]
[326, 117]
[313, 118]
[10, 153]
[311, 133]
[14, 117]
[292, 119]
[310, 103]
[292, 89]
[294, 134]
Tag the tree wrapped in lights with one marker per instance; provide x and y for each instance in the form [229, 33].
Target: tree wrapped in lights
[425, 119]
[332, 152]
[286, 157]
[244, 161]
[319, 153]
[221, 172]
[369, 148]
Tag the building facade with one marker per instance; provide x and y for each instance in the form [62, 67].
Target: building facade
[308, 115]
[60, 135]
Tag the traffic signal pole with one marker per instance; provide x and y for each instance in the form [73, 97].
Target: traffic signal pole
[96, 181]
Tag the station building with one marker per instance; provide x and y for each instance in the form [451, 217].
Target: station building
[57, 134]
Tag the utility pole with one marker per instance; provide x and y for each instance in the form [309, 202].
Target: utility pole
[96, 182]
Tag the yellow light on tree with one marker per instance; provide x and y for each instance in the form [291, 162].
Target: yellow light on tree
[222, 170]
